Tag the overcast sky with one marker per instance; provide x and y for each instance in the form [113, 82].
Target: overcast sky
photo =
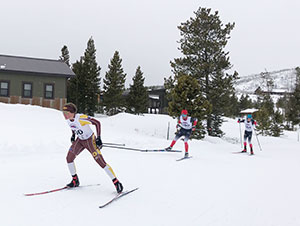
[266, 35]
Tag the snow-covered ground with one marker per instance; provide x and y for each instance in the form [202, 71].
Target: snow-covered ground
[214, 188]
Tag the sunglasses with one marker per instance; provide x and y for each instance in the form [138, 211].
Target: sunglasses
[183, 115]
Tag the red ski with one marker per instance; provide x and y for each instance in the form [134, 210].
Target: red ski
[57, 189]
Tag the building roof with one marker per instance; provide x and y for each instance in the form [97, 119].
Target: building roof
[27, 65]
[249, 111]
[152, 88]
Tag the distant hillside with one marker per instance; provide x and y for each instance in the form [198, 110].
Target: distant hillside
[284, 80]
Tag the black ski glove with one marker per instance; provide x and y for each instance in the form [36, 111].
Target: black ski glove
[99, 142]
[73, 138]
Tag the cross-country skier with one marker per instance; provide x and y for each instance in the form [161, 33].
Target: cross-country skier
[80, 126]
[186, 124]
[249, 127]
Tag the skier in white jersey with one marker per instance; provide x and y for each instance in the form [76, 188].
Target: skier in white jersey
[186, 124]
[80, 126]
[249, 127]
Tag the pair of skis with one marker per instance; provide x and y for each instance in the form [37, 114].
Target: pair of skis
[118, 196]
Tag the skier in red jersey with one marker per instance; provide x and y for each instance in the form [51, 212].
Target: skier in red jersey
[186, 124]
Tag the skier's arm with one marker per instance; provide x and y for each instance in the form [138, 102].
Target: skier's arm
[254, 124]
[178, 123]
[73, 137]
[97, 124]
[98, 129]
[195, 121]
[241, 120]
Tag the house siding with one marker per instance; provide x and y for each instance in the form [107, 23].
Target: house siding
[38, 85]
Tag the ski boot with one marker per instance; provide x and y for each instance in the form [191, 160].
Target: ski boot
[186, 155]
[74, 182]
[245, 150]
[251, 152]
[168, 149]
[118, 185]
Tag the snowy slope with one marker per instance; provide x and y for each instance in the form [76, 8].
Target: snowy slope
[284, 80]
[214, 188]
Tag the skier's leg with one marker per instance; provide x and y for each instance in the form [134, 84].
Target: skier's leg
[95, 151]
[74, 150]
[173, 142]
[250, 143]
[186, 145]
[245, 142]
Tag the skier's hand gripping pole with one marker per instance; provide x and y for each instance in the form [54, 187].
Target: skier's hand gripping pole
[99, 142]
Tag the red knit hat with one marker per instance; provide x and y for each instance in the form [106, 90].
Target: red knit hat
[184, 112]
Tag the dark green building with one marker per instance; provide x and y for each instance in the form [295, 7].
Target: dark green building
[158, 103]
[34, 81]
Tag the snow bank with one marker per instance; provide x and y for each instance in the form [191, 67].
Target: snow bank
[215, 187]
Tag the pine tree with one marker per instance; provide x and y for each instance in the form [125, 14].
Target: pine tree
[169, 84]
[265, 115]
[268, 104]
[290, 113]
[220, 98]
[283, 104]
[233, 109]
[276, 124]
[245, 102]
[294, 102]
[74, 84]
[114, 86]
[92, 73]
[202, 44]
[186, 94]
[263, 121]
[137, 99]
[65, 56]
[84, 87]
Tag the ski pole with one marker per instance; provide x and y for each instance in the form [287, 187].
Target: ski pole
[133, 149]
[168, 131]
[141, 150]
[257, 140]
[240, 135]
[114, 144]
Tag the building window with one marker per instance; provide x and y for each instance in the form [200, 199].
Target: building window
[27, 89]
[4, 88]
[49, 91]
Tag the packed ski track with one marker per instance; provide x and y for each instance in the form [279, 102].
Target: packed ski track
[214, 188]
